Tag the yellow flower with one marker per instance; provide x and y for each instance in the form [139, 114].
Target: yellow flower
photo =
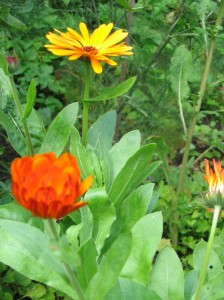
[96, 46]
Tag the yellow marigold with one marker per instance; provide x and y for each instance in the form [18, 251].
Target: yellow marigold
[48, 186]
[96, 46]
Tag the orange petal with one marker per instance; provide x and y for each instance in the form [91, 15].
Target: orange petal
[85, 185]
[96, 65]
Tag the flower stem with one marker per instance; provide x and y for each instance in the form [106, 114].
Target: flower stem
[217, 211]
[19, 109]
[85, 112]
[71, 276]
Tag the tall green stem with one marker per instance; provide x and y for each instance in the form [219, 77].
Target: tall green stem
[85, 112]
[19, 109]
[71, 276]
[190, 132]
[217, 211]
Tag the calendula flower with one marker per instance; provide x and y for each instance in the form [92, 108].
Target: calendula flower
[48, 186]
[96, 46]
[215, 180]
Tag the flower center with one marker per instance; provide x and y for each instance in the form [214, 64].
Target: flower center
[90, 49]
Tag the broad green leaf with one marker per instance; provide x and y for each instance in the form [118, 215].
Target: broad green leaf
[131, 210]
[190, 285]
[14, 22]
[134, 291]
[167, 277]
[115, 293]
[16, 137]
[60, 129]
[3, 64]
[3, 99]
[27, 250]
[123, 150]
[136, 169]
[98, 178]
[125, 4]
[146, 235]
[87, 228]
[180, 71]
[102, 132]
[103, 215]
[15, 212]
[88, 268]
[212, 290]
[5, 83]
[214, 264]
[110, 268]
[80, 152]
[30, 99]
[114, 91]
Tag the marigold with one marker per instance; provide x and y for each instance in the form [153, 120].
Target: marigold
[215, 180]
[96, 46]
[48, 186]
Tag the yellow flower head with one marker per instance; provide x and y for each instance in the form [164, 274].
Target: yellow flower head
[215, 180]
[96, 46]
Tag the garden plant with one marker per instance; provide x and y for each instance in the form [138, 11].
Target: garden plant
[111, 156]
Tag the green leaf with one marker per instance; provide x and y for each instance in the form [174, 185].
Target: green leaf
[14, 22]
[134, 291]
[87, 228]
[30, 99]
[27, 250]
[181, 71]
[110, 268]
[190, 286]
[167, 277]
[101, 133]
[15, 212]
[3, 64]
[122, 151]
[60, 129]
[103, 215]
[16, 137]
[80, 152]
[133, 173]
[132, 209]
[214, 264]
[88, 267]
[114, 91]
[146, 236]
[125, 4]
[5, 83]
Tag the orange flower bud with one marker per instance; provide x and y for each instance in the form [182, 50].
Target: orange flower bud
[215, 180]
[48, 186]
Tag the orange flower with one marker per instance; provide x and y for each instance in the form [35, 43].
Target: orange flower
[48, 186]
[96, 46]
[215, 180]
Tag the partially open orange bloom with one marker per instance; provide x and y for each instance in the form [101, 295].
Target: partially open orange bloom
[48, 186]
[96, 46]
[215, 179]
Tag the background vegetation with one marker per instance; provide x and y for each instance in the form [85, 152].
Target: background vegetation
[170, 39]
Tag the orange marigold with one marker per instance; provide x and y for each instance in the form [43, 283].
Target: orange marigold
[96, 46]
[48, 186]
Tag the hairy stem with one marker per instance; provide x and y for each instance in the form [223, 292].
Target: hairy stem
[71, 276]
[85, 112]
[217, 211]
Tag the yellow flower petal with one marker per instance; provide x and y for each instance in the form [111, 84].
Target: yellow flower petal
[96, 65]
[84, 32]
[75, 56]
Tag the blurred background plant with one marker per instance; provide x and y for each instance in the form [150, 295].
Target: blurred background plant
[171, 39]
